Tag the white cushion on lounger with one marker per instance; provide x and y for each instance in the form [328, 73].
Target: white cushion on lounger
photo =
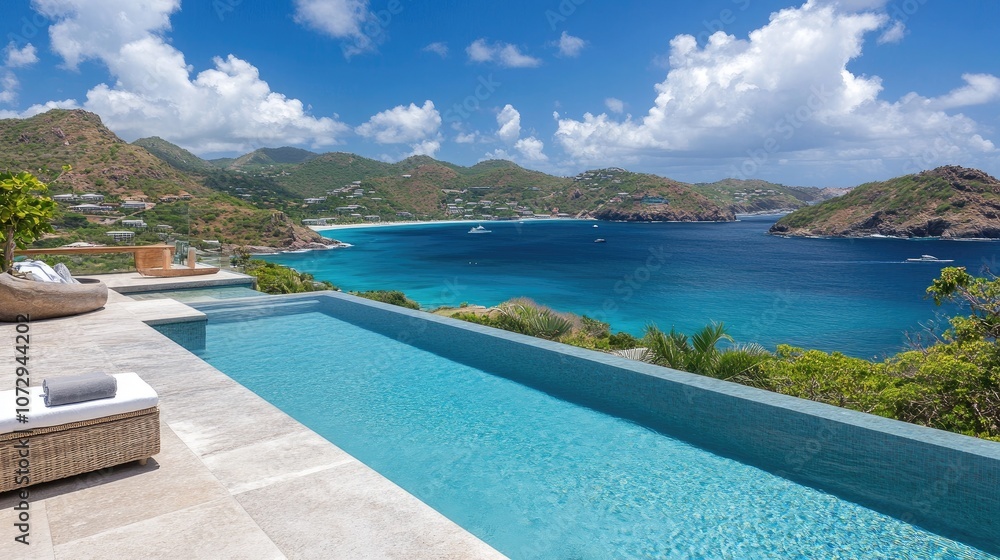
[40, 271]
[133, 394]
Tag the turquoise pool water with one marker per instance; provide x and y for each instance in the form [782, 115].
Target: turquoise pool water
[195, 295]
[532, 475]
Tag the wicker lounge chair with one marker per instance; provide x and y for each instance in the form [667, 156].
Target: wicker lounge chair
[97, 434]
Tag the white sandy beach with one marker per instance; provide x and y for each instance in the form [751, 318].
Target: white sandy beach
[435, 222]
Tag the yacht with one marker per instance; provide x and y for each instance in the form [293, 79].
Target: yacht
[479, 229]
[930, 258]
[600, 240]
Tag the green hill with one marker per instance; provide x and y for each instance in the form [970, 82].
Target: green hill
[266, 157]
[350, 188]
[757, 196]
[947, 202]
[174, 155]
[104, 164]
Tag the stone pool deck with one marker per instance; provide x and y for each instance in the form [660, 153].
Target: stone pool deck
[235, 478]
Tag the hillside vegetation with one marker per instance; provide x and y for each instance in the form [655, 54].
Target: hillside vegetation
[756, 196]
[104, 164]
[348, 188]
[947, 202]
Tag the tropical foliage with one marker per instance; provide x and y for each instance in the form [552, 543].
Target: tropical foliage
[25, 213]
[522, 315]
[701, 353]
[394, 297]
[276, 279]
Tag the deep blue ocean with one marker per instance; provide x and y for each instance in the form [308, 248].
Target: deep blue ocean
[858, 296]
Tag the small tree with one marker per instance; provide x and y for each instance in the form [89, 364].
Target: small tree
[981, 295]
[24, 213]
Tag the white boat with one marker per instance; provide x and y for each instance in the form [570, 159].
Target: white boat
[600, 240]
[479, 229]
[297, 251]
[930, 258]
[595, 225]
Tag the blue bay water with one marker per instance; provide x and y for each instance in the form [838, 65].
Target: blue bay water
[859, 297]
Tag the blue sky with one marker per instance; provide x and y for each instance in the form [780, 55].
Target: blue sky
[823, 92]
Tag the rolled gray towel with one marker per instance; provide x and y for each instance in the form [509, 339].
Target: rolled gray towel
[79, 388]
[73, 378]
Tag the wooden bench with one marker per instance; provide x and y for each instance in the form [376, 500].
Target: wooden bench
[150, 260]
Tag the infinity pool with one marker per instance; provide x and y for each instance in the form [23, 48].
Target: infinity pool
[532, 475]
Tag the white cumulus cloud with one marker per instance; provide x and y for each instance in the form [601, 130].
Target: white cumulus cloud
[425, 148]
[505, 54]
[349, 20]
[784, 93]
[531, 149]
[893, 34]
[8, 87]
[440, 49]
[403, 124]
[615, 105]
[509, 124]
[17, 58]
[570, 46]
[979, 90]
[39, 108]
[228, 107]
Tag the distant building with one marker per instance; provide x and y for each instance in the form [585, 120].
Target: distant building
[373, 218]
[91, 208]
[407, 176]
[64, 197]
[134, 205]
[315, 200]
[91, 197]
[404, 214]
[654, 200]
[169, 198]
[121, 236]
[137, 224]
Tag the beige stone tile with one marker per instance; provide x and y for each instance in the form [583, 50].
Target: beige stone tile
[261, 464]
[89, 504]
[353, 512]
[39, 539]
[218, 529]
[224, 419]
